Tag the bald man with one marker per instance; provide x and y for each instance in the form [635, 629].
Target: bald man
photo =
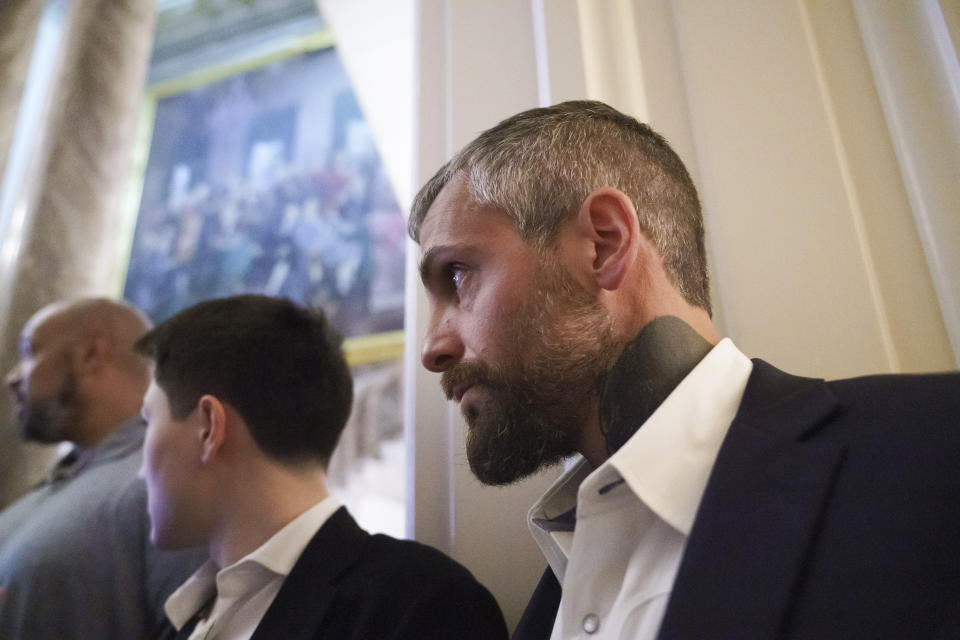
[75, 556]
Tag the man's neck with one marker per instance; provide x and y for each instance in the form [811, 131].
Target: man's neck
[262, 508]
[100, 419]
[648, 370]
[93, 430]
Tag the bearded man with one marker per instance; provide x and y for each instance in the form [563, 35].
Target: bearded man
[562, 252]
[75, 553]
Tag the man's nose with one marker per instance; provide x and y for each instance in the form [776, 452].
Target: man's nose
[14, 377]
[442, 347]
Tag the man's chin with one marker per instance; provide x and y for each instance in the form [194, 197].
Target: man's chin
[499, 467]
[499, 476]
[32, 430]
[43, 421]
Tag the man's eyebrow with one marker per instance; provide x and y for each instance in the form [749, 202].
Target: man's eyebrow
[427, 262]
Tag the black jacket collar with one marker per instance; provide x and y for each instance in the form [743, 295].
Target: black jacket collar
[759, 512]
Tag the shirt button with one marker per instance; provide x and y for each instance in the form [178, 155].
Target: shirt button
[591, 622]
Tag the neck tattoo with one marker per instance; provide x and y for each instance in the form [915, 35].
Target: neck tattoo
[648, 370]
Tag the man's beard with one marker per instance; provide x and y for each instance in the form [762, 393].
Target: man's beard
[532, 409]
[46, 420]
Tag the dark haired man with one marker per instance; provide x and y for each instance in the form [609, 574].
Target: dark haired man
[75, 554]
[717, 497]
[248, 400]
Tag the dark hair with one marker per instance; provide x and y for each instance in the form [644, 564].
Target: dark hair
[278, 364]
[540, 165]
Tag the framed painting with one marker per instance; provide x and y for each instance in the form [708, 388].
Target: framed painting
[263, 177]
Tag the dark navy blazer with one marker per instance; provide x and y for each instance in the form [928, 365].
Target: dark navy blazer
[832, 511]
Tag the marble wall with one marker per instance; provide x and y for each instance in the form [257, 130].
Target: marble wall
[63, 238]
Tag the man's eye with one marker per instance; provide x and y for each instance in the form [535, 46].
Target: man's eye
[456, 273]
[457, 276]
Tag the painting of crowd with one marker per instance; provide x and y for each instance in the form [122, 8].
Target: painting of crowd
[313, 218]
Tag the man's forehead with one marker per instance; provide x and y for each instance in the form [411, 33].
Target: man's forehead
[41, 324]
[50, 318]
[455, 217]
[54, 327]
[452, 199]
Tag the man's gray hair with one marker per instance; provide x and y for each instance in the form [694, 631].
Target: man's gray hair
[540, 165]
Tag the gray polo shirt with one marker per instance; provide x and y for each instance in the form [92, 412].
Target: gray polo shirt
[75, 555]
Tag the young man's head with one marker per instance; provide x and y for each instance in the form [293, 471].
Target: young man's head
[548, 243]
[77, 377]
[259, 370]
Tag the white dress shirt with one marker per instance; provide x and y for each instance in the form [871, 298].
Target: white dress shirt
[245, 589]
[614, 536]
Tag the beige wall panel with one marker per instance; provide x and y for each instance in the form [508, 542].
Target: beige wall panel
[611, 55]
[560, 60]
[951, 15]
[662, 74]
[877, 193]
[666, 108]
[787, 251]
[915, 66]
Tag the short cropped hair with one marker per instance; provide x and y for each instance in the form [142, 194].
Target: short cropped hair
[540, 165]
[279, 365]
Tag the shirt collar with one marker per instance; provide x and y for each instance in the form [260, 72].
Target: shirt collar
[125, 439]
[666, 463]
[278, 555]
[281, 551]
[194, 594]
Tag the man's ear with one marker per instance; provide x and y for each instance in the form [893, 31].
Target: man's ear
[609, 220]
[213, 426]
[90, 354]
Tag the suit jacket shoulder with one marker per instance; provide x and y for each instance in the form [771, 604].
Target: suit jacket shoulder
[829, 513]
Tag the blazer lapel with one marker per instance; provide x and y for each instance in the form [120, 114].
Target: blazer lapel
[304, 599]
[759, 513]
